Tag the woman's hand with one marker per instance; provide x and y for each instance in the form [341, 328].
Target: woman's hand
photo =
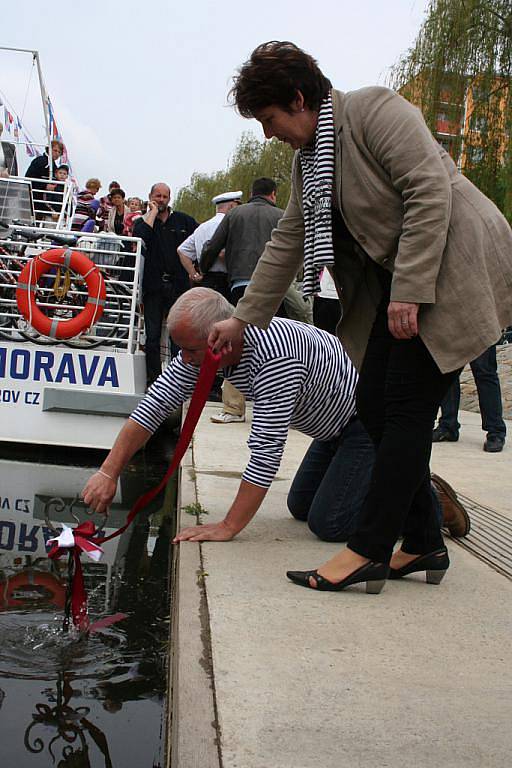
[403, 319]
[99, 492]
[223, 334]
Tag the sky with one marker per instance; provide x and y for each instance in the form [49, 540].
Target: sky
[139, 89]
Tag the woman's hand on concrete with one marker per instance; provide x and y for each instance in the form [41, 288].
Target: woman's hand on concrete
[403, 319]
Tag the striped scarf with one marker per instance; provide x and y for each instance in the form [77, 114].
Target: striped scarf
[317, 164]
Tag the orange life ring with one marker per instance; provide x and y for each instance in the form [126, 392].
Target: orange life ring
[60, 328]
[54, 590]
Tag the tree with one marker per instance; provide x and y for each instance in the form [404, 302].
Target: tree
[459, 72]
[251, 160]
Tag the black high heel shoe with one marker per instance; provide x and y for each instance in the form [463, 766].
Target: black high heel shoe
[375, 575]
[435, 564]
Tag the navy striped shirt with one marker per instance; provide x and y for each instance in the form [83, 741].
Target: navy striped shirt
[296, 375]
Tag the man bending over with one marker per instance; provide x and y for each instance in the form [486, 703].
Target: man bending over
[296, 375]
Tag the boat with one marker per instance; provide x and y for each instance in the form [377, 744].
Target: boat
[30, 513]
[72, 363]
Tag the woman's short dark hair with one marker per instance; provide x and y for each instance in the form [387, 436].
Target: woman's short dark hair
[117, 191]
[274, 73]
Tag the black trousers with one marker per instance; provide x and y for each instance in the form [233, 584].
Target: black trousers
[326, 313]
[398, 395]
[237, 293]
[218, 281]
[157, 303]
[485, 374]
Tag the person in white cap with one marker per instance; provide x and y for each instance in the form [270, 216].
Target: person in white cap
[190, 249]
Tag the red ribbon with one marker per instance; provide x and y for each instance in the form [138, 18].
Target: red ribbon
[84, 533]
[82, 536]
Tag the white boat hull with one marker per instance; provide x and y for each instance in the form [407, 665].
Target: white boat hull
[55, 395]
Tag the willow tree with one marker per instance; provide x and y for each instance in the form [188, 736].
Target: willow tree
[459, 72]
[251, 159]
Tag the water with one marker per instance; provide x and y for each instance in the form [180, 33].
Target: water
[98, 700]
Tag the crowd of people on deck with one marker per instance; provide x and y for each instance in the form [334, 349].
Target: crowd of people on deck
[397, 252]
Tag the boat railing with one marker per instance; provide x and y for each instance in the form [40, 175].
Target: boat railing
[62, 294]
[49, 204]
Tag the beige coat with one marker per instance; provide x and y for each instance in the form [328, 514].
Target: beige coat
[111, 220]
[447, 246]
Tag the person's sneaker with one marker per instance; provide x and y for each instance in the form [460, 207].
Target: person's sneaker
[226, 418]
[455, 516]
[440, 435]
[494, 444]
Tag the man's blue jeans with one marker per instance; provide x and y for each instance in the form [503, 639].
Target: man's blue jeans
[485, 373]
[331, 483]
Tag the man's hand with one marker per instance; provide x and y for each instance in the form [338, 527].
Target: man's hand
[211, 532]
[151, 213]
[99, 492]
[402, 319]
[223, 334]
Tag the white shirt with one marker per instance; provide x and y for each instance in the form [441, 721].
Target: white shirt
[193, 245]
[327, 286]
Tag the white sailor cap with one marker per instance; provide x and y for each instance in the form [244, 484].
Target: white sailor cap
[227, 197]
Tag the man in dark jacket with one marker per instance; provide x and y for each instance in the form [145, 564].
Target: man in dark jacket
[164, 280]
[39, 168]
[243, 233]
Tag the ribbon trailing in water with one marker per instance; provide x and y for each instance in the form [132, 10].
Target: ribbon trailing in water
[83, 538]
[75, 541]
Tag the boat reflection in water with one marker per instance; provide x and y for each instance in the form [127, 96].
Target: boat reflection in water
[98, 700]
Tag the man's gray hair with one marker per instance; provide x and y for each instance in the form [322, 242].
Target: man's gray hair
[202, 308]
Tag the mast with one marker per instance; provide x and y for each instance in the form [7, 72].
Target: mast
[44, 96]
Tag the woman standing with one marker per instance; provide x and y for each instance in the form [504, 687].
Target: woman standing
[423, 266]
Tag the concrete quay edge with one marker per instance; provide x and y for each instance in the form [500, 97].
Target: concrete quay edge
[268, 675]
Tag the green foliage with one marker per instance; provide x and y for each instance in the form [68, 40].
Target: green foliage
[460, 66]
[195, 509]
[251, 160]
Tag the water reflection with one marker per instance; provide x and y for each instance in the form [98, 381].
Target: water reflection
[83, 701]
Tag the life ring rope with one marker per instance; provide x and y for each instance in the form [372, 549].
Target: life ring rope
[61, 328]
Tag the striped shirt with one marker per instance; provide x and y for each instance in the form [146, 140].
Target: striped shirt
[296, 375]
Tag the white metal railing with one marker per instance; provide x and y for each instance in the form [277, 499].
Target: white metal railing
[62, 293]
[49, 204]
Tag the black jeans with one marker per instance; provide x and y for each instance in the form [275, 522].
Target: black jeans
[398, 395]
[485, 374]
[157, 304]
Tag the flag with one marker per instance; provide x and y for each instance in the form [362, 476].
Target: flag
[54, 131]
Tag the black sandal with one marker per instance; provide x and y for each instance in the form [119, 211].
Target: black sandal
[375, 575]
[435, 564]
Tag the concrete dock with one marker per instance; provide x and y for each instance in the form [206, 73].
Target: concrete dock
[269, 675]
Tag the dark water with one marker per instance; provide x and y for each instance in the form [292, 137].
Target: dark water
[99, 700]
